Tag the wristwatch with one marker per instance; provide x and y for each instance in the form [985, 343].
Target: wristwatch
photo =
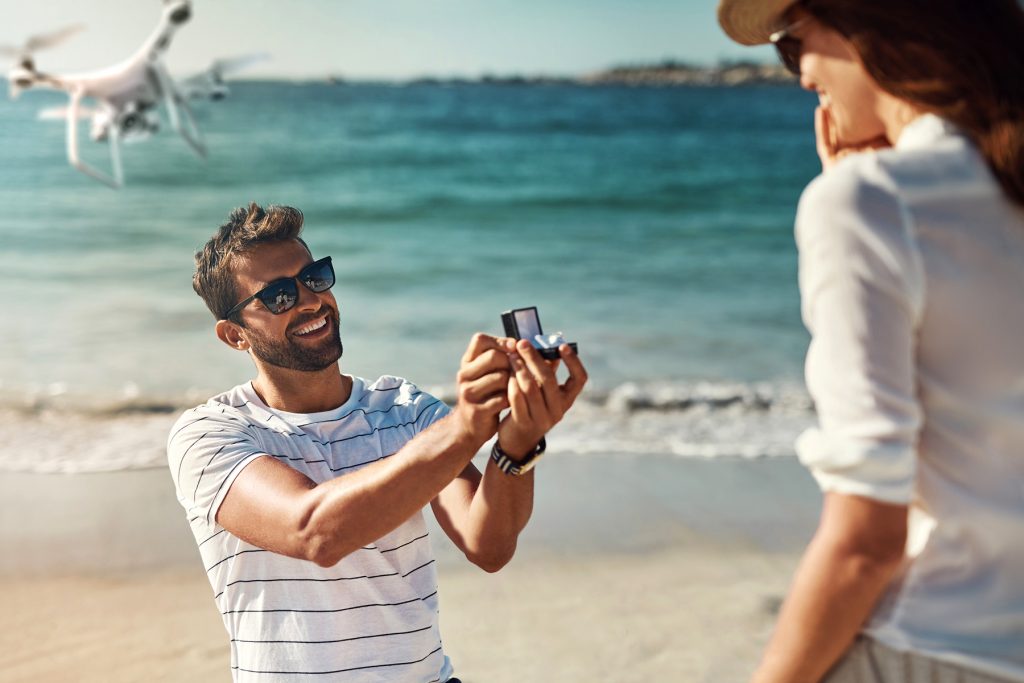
[517, 467]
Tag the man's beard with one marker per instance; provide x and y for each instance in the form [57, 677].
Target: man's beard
[285, 353]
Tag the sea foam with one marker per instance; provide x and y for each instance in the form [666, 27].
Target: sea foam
[684, 419]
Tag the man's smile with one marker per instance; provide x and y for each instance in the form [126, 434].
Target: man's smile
[313, 329]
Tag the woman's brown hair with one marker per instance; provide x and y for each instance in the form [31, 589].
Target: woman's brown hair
[960, 59]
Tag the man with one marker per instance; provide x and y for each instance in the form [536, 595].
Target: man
[304, 488]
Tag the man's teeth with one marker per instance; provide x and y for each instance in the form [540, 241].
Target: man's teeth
[312, 327]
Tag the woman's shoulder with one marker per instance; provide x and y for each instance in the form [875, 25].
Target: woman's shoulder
[856, 197]
[930, 164]
[853, 225]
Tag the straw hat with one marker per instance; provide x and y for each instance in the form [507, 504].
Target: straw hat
[750, 22]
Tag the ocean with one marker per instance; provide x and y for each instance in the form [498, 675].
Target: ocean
[653, 226]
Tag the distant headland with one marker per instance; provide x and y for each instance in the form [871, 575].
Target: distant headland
[664, 74]
[678, 73]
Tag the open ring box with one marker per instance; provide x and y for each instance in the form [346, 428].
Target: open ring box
[524, 323]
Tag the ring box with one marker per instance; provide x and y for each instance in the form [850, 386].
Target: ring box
[524, 323]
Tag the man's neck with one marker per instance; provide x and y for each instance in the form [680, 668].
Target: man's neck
[302, 392]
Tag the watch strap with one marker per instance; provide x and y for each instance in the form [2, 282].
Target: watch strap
[517, 468]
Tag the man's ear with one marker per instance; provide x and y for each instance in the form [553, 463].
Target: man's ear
[231, 334]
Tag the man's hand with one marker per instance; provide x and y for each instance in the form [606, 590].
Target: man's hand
[830, 148]
[482, 381]
[537, 401]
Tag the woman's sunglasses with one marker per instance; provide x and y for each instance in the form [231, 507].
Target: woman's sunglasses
[281, 295]
[788, 46]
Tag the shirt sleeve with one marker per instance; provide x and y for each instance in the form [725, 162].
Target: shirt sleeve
[861, 286]
[428, 409]
[206, 450]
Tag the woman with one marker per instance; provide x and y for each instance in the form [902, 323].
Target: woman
[912, 285]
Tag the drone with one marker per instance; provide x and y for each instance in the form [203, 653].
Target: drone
[127, 95]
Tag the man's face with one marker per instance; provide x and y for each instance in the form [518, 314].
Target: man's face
[305, 337]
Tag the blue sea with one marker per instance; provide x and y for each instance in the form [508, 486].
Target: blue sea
[653, 226]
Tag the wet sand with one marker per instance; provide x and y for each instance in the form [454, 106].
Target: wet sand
[632, 569]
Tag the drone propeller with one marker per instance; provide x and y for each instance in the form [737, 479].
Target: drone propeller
[40, 42]
[229, 65]
[209, 83]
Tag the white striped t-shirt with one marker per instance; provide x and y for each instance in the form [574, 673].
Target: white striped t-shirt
[373, 616]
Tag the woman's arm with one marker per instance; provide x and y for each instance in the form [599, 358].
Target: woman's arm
[862, 288]
[855, 552]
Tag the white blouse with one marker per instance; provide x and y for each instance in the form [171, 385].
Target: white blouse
[912, 285]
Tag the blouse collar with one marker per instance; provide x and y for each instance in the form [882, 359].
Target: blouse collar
[924, 131]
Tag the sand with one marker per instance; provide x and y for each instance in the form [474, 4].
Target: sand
[633, 569]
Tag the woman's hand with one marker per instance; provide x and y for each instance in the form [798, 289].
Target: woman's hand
[830, 148]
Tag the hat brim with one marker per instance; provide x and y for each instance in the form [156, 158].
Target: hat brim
[751, 22]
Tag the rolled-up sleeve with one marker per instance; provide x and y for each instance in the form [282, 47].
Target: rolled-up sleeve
[206, 451]
[862, 294]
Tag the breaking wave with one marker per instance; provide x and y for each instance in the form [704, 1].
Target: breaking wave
[684, 419]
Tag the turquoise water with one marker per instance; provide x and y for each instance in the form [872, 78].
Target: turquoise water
[652, 226]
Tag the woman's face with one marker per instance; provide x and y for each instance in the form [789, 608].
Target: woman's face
[830, 66]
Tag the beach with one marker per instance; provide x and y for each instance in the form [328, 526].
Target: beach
[652, 226]
[632, 569]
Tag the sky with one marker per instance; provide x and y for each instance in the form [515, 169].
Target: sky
[387, 39]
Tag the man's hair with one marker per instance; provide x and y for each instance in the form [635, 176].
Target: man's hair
[246, 229]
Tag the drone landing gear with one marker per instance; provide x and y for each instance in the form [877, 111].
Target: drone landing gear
[172, 99]
[117, 179]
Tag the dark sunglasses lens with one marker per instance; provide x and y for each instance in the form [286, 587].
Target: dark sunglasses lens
[279, 296]
[318, 276]
[789, 53]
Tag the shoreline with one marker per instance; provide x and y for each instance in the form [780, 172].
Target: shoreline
[689, 419]
[595, 504]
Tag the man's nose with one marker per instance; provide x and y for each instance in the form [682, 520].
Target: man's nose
[308, 299]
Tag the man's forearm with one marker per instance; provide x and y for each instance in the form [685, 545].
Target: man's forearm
[483, 515]
[833, 593]
[500, 510]
[346, 513]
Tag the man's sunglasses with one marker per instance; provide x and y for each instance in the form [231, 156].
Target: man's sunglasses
[281, 295]
[788, 46]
